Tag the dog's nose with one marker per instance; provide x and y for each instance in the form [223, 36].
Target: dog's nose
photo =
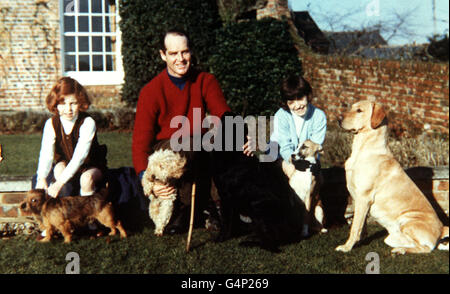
[340, 118]
[23, 206]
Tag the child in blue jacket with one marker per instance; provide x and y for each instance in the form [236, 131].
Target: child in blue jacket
[297, 120]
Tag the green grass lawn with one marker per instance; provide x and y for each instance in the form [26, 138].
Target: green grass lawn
[142, 252]
[21, 152]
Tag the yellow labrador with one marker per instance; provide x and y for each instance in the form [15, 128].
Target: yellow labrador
[378, 184]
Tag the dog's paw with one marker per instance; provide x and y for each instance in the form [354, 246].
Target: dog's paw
[398, 251]
[158, 232]
[343, 248]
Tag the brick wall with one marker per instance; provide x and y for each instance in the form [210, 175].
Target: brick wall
[415, 94]
[274, 9]
[29, 50]
[30, 56]
[105, 97]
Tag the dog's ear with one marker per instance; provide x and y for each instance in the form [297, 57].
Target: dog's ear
[320, 150]
[378, 115]
[42, 192]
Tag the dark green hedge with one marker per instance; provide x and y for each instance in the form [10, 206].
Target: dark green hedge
[142, 24]
[250, 60]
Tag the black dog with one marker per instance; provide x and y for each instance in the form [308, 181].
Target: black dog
[256, 189]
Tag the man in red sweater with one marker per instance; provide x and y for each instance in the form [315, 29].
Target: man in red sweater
[177, 91]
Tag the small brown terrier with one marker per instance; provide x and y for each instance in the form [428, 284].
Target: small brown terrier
[66, 213]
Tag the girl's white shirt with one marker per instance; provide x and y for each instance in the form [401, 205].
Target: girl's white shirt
[86, 135]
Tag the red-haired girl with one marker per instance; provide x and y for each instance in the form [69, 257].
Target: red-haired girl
[69, 141]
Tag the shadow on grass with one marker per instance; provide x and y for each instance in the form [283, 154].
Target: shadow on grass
[375, 236]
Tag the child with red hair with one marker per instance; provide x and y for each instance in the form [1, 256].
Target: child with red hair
[69, 143]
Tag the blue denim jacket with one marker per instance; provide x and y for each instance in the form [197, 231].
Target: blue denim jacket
[285, 134]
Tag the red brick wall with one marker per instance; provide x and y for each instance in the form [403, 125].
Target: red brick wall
[415, 94]
[30, 53]
[274, 8]
[105, 96]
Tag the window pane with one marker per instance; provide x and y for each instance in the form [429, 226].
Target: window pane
[83, 44]
[69, 44]
[107, 5]
[97, 44]
[84, 5]
[83, 63]
[83, 24]
[96, 6]
[97, 62]
[69, 24]
[69, 63]
[96, 24]
[108, 44]
[109, 63]
[107, 25]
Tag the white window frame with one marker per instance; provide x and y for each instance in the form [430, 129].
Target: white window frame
[92, 77]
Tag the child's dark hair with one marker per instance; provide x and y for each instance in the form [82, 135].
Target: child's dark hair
[67, 86]
[294, 87]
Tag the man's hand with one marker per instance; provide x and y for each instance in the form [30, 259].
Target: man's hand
[249, 147]
[161, 190]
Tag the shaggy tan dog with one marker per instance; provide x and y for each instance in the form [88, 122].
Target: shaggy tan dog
[166, 167]
[377, 183]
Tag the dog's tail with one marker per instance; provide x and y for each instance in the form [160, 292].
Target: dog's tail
[443, 242]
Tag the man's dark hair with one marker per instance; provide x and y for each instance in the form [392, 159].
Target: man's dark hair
[174, 31]
[295, 87]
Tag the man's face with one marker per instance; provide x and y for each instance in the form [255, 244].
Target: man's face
[177, 55]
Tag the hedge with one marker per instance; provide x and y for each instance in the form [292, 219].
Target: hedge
[142, 24]
[250, 60]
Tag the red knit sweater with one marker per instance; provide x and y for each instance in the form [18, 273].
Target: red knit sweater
[160, 101]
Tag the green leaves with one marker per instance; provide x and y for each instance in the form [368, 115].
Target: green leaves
[142, 25]
[250, 60]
